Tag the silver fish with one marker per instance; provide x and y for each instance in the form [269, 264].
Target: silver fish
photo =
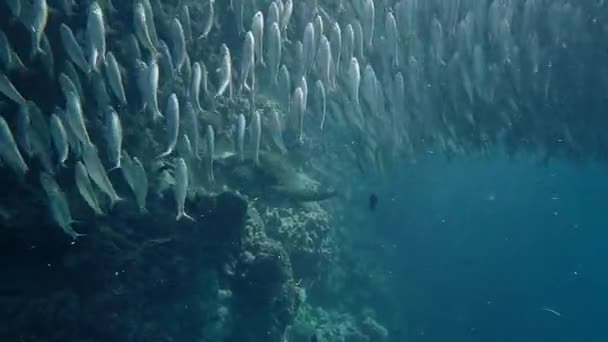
[354, 79]
[184, 18]
[70, 71]
[242, 122]
[8, 57]
[9, 152]
[191, 127]
[41, 137]
[369, 16]
[304, 86]
[257, 29]
[165, 61]
[247, 62]
[195, 85]
[286, 16]
[276, 131]
[308, 46]
[96, 35]
[319, 29]
[24, 131]
[58, 204]
[273, 15]
[97, 172]
[181, 189]
[205, 81]
[8, 89]
[321, 100]
[150, 22]
[73, 111]
[113, 136]
[40, 14]
[135, 175]
[59, 138]
[15, 7]
[369, 82]
[335, 42]
[297, 108]
[348, 46]
[210, 137]
[100, 91]
[178, 40]
[359, 41]
[85, 188]
[284, 86]
[324, 60]
[172, 111]
[208, 18]
[392, 39]
[141, 27]
[73, 49]
[150, 84]
[132, 48]
[256, 135]
[112, 71]
[274, 51]
[225, 72]
[46, 57]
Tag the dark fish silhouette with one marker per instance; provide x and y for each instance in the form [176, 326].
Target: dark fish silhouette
[373, 201]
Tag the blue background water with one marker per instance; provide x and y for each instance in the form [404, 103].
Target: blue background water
[475, 249]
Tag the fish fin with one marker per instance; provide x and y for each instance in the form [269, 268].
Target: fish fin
[115, 167]
[182, 214]
[164, 154]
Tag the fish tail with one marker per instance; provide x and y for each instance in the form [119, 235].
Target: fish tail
[182, 214]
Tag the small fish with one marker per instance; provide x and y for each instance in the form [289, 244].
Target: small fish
[172, 111]
[195, 85]
[40, 14]
[308, 47]
[335, 42]
[348, 46]
[359, 42]
[256, 136]
[8, 89]
[556, 313]
[274, 52]
[73, 111]
[184, 18]
[247, 62]
[46, 57]
[58, 204]
[9, 152]
[41, 137]
[373, 201]
[101, 96]
[73, 49]
[321, 100]
[354, 80]
[210, 152]
[369, 82]
[284, 85]
[208, 18]
[178, 40]
[24, 131]
[96, 35]
[8, 57]
[304, 86]
[392, 39]
[369, 16]
[152, 90]
[97, 172]
[113, 134]
[181, 189]
[191, 127]
[276, 131]
[165, 61]
[257, 29]
[241, 124]
[141, 27]
[132, 48]
[112, 71]
[324, 60]
[135, 175]
[205, 81]
[15, 7]
[286, 16]
[85, 188]
[70, 70]
[273, 15]
[225, 72]
[297, 108]
[150, 22]
[319, 29]
[59, 139]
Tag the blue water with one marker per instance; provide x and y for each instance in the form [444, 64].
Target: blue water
[474, 250]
